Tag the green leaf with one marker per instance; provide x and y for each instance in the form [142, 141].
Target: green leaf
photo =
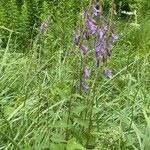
[57, 146]
[57, 138]
[82, 122]
[73, 145]
[62, 94]
[78, 109]
[60, 124]
[76, 95]
[41, 146]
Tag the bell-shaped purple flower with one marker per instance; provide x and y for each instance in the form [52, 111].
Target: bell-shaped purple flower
[87, 36]
[84, 87]
[87, 72]
[96, 11]
[81, 30]
[92, 26]
[108, 44]
[114, 37]
[98, 48]
[101, 35]
[99, 51]
[95, 43]
[77, 40]
[103, 59]
[84, 49]
[108, 72]
[43, 26]
[104, 27]
[108, 53]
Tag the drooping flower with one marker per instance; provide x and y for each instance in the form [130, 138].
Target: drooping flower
[87, 36]
[96, 11]
[99, 51]
[92, 26]
[81, 30]
[107, 44]
[84, 49]
[101, 35]
[84, 87]
[108, 53]
[43, 26]
[104, 27]
[108, 72]
[114, 37]
[87, 72]
[97, 35]
[95, 43]
[103, 59]
[77, 40]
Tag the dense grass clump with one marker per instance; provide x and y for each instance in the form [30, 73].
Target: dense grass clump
[42, 106]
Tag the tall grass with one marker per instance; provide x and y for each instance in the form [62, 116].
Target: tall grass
[35, 94]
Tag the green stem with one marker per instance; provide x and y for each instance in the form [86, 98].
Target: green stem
[16, 146]
[91, 108]
[68, 120]
[70, 103]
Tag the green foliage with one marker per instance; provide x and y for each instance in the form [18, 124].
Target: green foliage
[26, 16]
[19, 4]
[42, 108]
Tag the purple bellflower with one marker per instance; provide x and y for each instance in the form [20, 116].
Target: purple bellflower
[87, 35]
[84, 49]
[114, 37]
[101, 35]
[104, 27]
[95, 33]
[108, 44]
[92, 26]
[77, 40]
[96, 11]
[103, 59]
[87, 72]
[108, 72]
[99, 51]
[84, 87]
[108, 53]
[95, 43]
[43, 26]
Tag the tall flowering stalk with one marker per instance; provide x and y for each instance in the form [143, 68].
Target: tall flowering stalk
[42, 29]
[95, 38]
[44, 25]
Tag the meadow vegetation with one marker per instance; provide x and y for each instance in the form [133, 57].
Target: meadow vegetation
[42, 106]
